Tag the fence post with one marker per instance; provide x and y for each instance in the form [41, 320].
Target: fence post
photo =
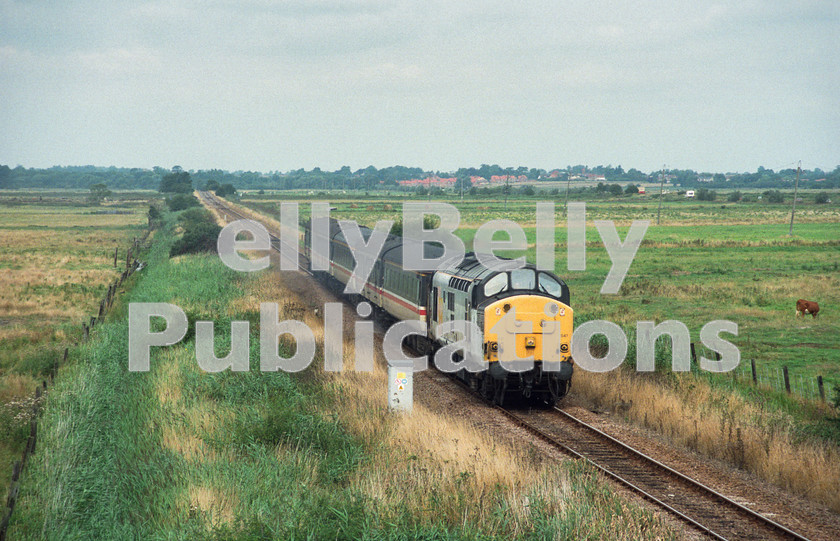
[693, 354]
[116, 251]
[787, 379]
[752, 364]
[822, 390]
[86, 330]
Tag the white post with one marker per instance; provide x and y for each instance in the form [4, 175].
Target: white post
[400, 387]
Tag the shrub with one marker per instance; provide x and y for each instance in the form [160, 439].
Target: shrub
[821, 198]
[200, 237]
[225, 190]
[631, 189]
[181, 202]
[704, 194]
[615, 189]
[774, 196]
[734, 197]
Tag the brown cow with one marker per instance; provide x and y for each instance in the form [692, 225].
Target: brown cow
[807, 307]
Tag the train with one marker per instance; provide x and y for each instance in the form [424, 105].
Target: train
[467, 290]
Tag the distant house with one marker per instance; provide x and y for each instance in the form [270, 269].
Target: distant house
[641, 190]
[689, 193]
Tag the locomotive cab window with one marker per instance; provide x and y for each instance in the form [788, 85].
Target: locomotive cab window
[548, 284]
[495, 285]
[522, 279]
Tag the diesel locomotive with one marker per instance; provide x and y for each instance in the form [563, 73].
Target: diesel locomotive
[535, 302]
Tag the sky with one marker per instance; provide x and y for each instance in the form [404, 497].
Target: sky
[274, 86]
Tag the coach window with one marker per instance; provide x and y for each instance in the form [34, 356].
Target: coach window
[522, 279]
[548, 284]
[495, 285]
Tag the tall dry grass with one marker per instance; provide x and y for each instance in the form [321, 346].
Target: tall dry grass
[435, 466]
[721, 425]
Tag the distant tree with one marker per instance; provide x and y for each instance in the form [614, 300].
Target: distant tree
[601, 187]
[211, 185]
[734, 197]
[615, 189]
[631, 189]
[98, 192]
[529, 191]
[821, 198]
[181, 201]
[225, 190]
[177, 181]
[705, 194]
[773, 196]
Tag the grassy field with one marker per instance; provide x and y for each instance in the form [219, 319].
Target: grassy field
[176, 453]
[706, 261]
[56, 260]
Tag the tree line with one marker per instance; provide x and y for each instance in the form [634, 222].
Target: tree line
[371, 178]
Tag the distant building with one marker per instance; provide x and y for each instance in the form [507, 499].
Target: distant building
[689, 193]
[641, 190]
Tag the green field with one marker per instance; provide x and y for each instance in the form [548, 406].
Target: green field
[706, 261]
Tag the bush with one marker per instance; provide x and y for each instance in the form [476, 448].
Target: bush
[181, 202]
[704, 194]
[774, 196]
[200, 237]
[225, 190]
[821, 198]
[615, 189]
[734, 197]
[631, 189]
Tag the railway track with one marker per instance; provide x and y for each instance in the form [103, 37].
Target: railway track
[214, 202]
[705, 509]
[714, 514]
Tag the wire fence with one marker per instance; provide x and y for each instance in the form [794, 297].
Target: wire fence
[774, 378]
[131, 266]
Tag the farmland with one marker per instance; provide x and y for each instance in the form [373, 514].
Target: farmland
[177, 453]
[56, 259]
[706, 261]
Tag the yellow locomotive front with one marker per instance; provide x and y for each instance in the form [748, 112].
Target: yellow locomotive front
[526, 323]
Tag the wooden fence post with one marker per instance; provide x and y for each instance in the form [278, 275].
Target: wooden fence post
[822, 390]
[116, 251]
[754, 377]
[693, 354]
[787, 379]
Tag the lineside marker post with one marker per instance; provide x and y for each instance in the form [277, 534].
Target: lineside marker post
[787, 379]
[822, 390]
[401, 387]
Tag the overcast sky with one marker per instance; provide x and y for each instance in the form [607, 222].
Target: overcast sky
[260, 85]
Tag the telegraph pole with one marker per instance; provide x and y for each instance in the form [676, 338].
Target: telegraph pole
[661, 183]
[795, 191]
[568, 181]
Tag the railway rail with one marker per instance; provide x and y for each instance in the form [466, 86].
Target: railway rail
[713, 513]
[700, 506]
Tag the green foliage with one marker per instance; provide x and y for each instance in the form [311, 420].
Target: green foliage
[178, 181]
[615, 189]
[821, 198]
[198, 237]
[211, 185]
[773, 196]
[631, 189]
[98, 192]
[734, 197]
[225, 190]
[705, 194]
[182, 201]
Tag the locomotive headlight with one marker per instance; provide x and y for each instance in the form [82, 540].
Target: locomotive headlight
[494, 346]
[530, 342]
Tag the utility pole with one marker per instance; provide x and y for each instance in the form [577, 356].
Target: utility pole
[568, 181]
[795, 192]
[661, 183]
[507, 189]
